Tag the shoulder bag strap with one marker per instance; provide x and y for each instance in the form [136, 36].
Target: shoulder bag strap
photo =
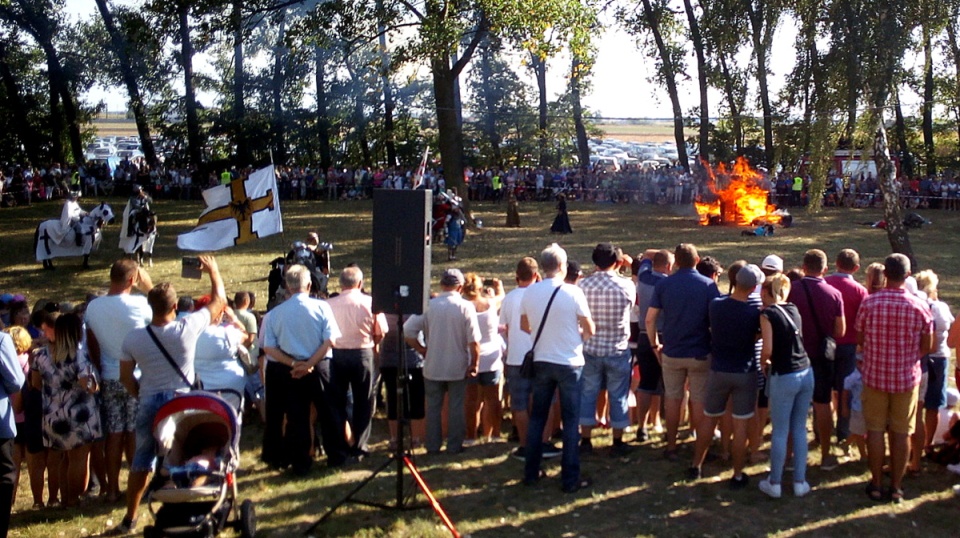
[788, 318]
[816, 317]
[166, 355]
[544, 318]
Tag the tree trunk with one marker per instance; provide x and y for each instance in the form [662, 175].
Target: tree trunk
[490, 115]
[906, 156]
[122, 49]
[539, 66]
[887, 176]
[323, 121]
[731, 95]
[852, 60]
[244, 152]
[194, 143]
[58, 84]
[669, 77]
[930, 153]
[21, 125]
[277, 82]
[583, 147]
[953, 44]
[56, 123]
[449, 132]
[758, 31]
[699, 50]
[360, 124]
[388, 102]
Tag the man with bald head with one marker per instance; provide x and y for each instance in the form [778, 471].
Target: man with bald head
[352, 365]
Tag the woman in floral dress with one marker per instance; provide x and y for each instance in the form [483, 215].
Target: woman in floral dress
[71, 419]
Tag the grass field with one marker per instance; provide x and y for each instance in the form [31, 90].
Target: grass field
[640, 495]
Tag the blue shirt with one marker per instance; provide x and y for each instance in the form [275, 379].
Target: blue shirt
[299, 326]
[11, 380]
[734, 327]
[647, 278]
[684, 300]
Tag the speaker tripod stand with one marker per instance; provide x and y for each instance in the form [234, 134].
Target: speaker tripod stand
[401, 457]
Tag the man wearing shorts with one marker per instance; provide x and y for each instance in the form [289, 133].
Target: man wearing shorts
[821, 310]
[607, 355]
[683, 300]
[734, 328]
[654, 267]
[895, 329]
[109, 319]
[162, 378]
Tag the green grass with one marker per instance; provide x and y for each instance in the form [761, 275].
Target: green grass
[639, 495]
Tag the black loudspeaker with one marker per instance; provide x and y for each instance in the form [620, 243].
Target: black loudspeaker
[401, 250]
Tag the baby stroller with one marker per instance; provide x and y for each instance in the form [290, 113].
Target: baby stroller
[198, 451]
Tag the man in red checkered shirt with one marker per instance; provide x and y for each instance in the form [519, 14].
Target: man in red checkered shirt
[895, 329]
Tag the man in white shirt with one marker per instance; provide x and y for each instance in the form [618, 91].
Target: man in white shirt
[109, 319]
[558, 362]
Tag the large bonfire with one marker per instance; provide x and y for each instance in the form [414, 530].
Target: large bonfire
[736, 196]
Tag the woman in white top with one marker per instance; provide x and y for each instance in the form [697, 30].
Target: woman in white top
[482, 400]
[216, 362]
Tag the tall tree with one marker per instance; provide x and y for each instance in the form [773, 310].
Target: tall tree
[659, 21]
[699, 49]
[764, 15]
[123, 51]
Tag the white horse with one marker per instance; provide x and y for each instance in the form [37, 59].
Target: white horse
[47, 248]
[139, 242]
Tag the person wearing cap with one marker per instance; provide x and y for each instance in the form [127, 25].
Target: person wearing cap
[683, 300]
[451, 355]
[771, 265]
[607, 358]
[822, 314]
[558, 364]
[734, 328]
[847, 264]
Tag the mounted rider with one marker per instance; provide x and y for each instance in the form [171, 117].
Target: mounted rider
[139, 201]
[70, 219]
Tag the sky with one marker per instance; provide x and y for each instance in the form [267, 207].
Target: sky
[620, 82]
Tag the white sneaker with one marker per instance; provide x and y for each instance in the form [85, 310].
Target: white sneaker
[773, 490]
[954, 468]
[800, 489]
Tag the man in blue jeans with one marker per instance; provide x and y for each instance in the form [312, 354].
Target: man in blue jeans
[558, 363]
[607, 355]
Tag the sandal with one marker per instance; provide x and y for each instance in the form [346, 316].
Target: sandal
[896, 495]
[583, 483]
[875, 493]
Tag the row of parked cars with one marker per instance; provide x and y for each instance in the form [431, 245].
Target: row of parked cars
[615, 155]
[114, 146]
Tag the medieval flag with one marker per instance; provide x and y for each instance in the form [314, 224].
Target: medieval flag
[240, 211]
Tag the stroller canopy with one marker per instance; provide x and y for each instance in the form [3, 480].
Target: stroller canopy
[184, 419]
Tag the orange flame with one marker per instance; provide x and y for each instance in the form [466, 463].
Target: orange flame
[740, 198]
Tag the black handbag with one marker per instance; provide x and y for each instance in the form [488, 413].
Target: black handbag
[828, 346]
[527, 370]
[197, 384]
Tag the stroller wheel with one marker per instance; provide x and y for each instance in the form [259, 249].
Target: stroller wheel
[248, 520]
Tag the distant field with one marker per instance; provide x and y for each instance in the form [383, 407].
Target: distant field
[116, 124]
[640, 132]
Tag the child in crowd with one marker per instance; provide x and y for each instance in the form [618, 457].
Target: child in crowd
[851, 407]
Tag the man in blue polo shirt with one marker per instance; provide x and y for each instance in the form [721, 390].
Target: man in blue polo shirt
[683, 299]
[655, 266]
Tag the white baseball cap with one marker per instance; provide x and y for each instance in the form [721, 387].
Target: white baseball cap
[772, 263]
